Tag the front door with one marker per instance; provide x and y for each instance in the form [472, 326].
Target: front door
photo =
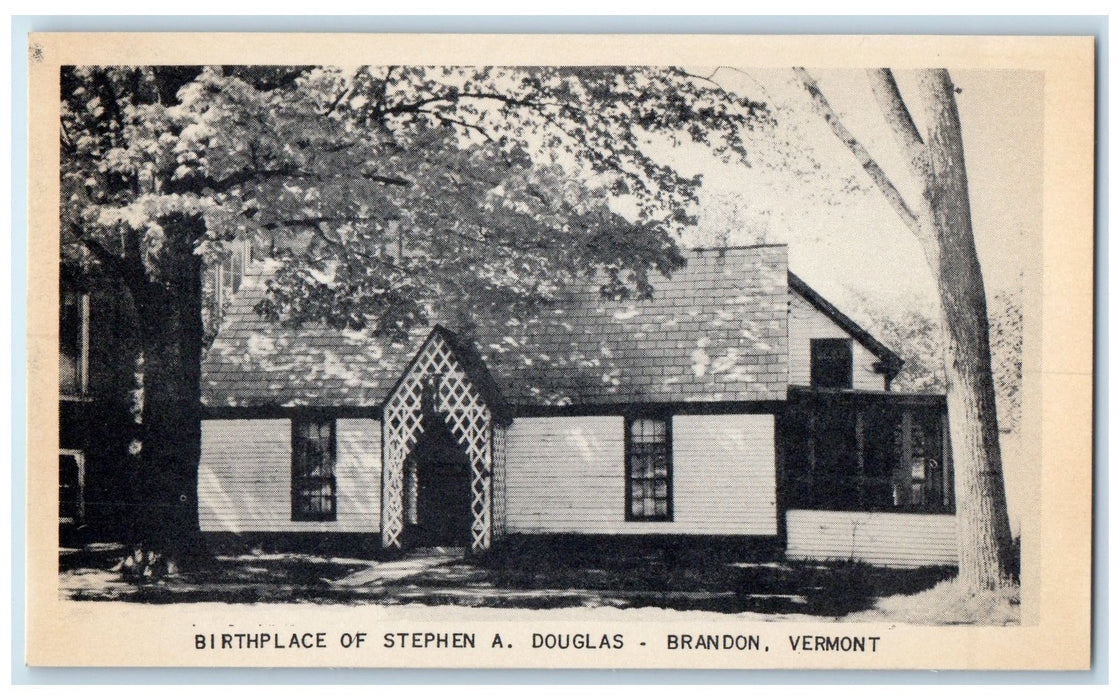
[443, 489]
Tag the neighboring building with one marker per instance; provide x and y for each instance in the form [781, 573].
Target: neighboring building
[97, 352]
[735, 403]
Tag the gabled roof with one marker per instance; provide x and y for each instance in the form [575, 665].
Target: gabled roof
[890, 362]
[715, 331]
[475, 369]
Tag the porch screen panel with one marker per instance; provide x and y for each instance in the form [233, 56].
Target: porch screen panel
[918, 482]
[877, 457]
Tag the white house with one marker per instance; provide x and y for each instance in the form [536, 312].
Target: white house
[735, 403]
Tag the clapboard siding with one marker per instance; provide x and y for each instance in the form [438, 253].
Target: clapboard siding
[723, 474]
[564, 474]
[245, 476]
[359, 474]
[886, 539]
[807, 322]
[567, 475]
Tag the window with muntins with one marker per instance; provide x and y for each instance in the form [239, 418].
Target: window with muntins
[313, 467]
[649, 481]
[831, 363]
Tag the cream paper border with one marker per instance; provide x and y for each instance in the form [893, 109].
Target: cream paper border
[1057, 384]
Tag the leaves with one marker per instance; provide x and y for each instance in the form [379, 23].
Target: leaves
[391, 194]
[1005, 315]
[916, 336]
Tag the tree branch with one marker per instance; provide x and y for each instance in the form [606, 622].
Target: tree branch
[128, 271]
[245, 176]
[379, 105]
[898, 118]
[449, 120]
[103, 255]
[878, 176]
[314, 221]
[342, 95]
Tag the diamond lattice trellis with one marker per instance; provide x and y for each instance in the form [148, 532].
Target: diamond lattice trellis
[469, 418]
[498, 484]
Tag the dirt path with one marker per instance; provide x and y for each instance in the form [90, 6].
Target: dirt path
[381, 573]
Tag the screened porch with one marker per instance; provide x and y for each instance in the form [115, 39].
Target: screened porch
[844, 450]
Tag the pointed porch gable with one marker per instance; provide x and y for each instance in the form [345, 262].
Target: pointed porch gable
[448, 375]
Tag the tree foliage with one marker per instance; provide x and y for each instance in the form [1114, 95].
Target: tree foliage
[917, 338]
[1005, 317]
[914, 335]
[386, 190]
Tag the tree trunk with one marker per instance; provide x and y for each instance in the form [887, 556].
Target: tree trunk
[942, 224]
[166, 486]
[984, 537]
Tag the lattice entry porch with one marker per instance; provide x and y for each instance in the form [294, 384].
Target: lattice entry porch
[468, 417]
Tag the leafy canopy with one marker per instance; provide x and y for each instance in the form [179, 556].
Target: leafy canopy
[386, 193]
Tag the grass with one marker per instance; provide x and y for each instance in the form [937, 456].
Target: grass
[712, 581]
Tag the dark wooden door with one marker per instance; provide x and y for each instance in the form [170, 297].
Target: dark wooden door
[443, 489]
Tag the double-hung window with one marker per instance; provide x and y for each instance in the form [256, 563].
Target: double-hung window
[649, 483]
[313, 467]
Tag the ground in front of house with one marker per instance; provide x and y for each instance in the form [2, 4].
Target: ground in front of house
[546, 580]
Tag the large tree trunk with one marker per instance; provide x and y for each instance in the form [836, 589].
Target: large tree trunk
[984, 538]
[942, 223]
[165, 488]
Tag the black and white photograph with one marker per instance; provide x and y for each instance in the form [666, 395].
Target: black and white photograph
[729, 347]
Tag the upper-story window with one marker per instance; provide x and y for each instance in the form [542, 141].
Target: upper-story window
[649, 480]
[73, 341]
[831, 363]
[228, 273]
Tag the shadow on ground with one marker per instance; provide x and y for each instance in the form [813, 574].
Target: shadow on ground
[529, 578]
[88, 574]
[701, 580]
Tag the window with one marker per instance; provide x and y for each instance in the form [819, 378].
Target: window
[649, 470]
[831, 363]
[230, 271]
[313, 460]
[71, 487]
[73, 341]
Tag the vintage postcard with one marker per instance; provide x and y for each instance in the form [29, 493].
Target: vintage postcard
[560, 351]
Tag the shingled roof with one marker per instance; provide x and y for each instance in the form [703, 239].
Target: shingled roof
[714, 331]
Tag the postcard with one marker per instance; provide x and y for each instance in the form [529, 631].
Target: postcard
[560, 351]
